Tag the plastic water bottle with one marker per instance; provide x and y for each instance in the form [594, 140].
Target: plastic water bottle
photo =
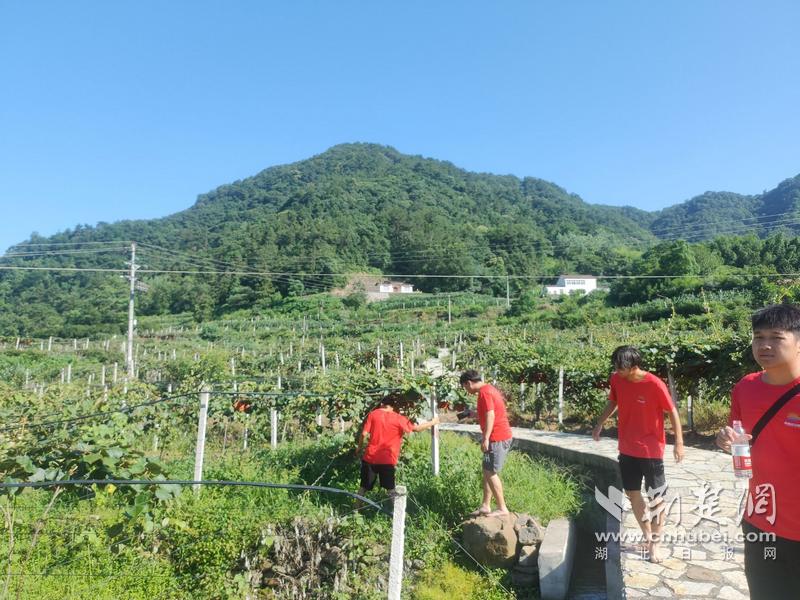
[740, 448]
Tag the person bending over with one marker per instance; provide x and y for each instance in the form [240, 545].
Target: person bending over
[385, 428]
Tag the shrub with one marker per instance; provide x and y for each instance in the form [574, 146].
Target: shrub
[710, 416]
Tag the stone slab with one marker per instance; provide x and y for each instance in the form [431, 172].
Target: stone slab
[555, 559]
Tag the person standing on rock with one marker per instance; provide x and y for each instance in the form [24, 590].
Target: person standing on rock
[496, 440]
[768, 405]
[385, 428]
[642, 399]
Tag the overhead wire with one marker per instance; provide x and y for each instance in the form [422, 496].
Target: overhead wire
[740, 224]
[427, 251]
[79, 252]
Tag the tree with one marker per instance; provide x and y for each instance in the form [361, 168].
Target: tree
[357, 296]
[296, 288]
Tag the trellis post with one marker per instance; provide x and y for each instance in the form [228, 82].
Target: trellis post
[273, 421]
[560, 395]
[398, 541]
[201, 439]
[434, 435]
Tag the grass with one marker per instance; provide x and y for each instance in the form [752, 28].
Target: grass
[198, 539]
[449, 581]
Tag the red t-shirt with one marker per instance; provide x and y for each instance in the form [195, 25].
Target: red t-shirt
[490, 399]
[641, 408]
[385, 429]
[775, 455]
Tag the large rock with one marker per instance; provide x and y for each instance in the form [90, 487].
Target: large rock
[492, 541]
[533, 534]
[333, 555]
[524, 579]
[529, 556]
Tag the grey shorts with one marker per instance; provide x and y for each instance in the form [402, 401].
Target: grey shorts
[493, 459]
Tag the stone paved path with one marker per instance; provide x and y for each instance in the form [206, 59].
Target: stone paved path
[703, 558]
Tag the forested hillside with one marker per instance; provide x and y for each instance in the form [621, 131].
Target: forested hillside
[723, 213]
[356, 207]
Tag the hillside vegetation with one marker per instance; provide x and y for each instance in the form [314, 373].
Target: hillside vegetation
[369, 208]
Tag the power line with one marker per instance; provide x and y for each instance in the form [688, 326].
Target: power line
[78, 252]
[22, 244]
[397, 275]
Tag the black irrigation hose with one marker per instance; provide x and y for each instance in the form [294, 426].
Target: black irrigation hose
[118, 482]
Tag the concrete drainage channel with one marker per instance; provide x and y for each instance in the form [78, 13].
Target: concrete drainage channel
[568, 566]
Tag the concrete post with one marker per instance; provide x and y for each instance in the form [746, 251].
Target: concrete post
[201, 438]
[398, 542]
[273, 422]
[434, 436]
[672, 390]
[560, 395]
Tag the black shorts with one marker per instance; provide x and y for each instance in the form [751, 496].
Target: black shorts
[370, 472]
[634, 469]
[771, 567]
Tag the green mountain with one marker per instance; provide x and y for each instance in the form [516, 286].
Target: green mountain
[356, 207]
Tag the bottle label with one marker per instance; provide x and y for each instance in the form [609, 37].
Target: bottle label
[741, 458]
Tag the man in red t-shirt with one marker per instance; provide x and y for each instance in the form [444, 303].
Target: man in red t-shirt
[641, 398]
[495, 440]
[385, 428]
[775, 454]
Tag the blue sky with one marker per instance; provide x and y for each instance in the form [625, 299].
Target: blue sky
[129, 110]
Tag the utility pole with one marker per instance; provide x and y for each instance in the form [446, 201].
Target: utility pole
[132, 278]
[508, 293]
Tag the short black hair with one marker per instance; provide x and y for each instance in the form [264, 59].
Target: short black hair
[777, 316]
[626, 357]
[470, 375]
[388, 400]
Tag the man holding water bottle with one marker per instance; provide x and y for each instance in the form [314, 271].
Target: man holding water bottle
[768, 406]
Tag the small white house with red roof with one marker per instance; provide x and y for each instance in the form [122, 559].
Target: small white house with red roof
[567, 283]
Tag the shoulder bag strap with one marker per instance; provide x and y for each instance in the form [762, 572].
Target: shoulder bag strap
[773, 410]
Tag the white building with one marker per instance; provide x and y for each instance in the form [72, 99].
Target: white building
[395, 287]
[567, 283]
